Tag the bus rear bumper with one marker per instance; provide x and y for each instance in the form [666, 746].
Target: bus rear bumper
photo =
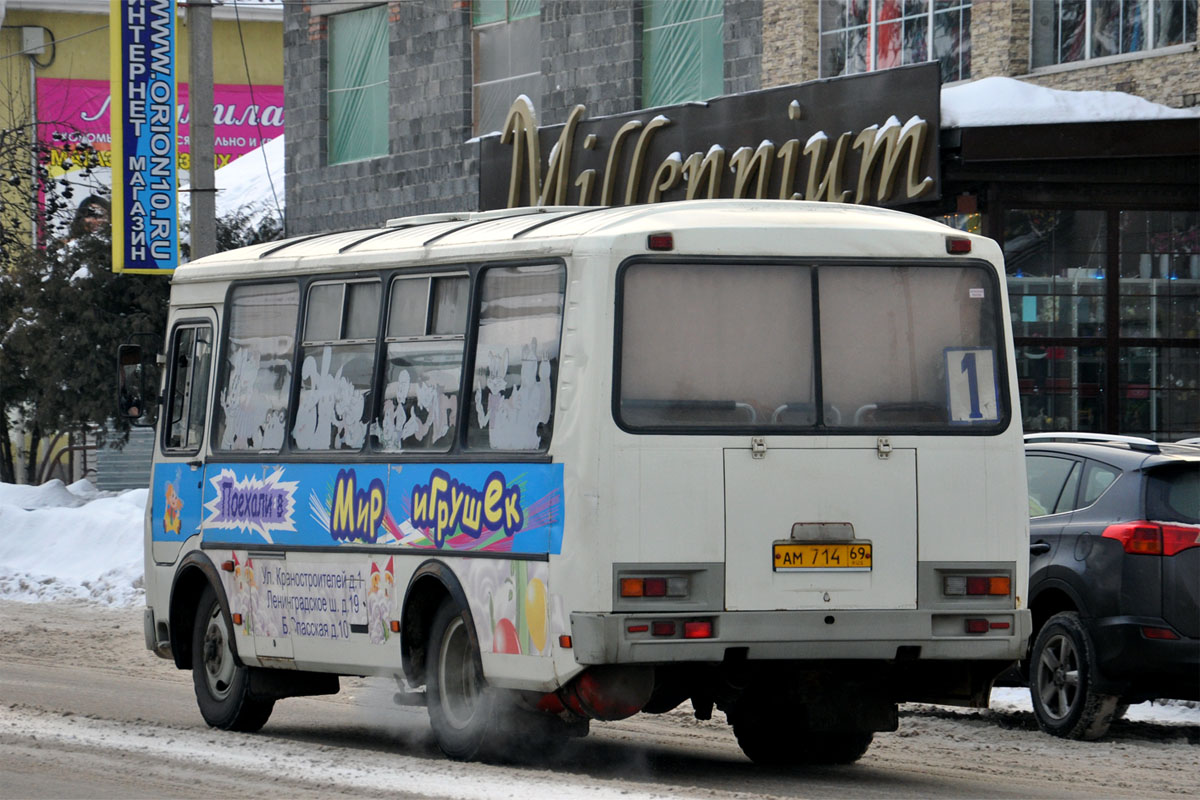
[904, 635]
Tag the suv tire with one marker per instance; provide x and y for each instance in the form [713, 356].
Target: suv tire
[1062, 672]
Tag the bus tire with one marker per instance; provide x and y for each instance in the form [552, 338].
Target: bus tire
[1062, 681]
[222, 685]
[771, 737]
[461, 704]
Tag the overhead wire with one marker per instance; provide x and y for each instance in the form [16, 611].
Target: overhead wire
[54, 40]
[257, 117]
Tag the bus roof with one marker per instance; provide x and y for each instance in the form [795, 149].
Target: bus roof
[550, 231]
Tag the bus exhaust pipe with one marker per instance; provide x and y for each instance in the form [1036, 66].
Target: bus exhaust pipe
[608, 692]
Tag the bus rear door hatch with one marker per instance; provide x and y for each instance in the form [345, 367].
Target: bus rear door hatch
[820, 529]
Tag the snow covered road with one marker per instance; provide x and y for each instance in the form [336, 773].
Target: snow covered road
[86, 711]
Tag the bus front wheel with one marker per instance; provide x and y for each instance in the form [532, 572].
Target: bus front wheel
[461, 704]
[222, 685]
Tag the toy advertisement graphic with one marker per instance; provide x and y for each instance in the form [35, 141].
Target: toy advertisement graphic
[513, 608]
[494, 508]
[175, 502]
[311, 600]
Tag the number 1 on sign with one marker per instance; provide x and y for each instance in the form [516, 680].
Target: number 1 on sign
[971, 394]
[968, 366]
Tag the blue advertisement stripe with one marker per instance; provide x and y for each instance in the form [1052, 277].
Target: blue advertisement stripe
[479, 508]
[149, 211]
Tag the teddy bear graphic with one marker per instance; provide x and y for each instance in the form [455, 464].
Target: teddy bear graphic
[172, 524]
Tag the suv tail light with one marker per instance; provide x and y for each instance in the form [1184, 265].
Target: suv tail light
[1153, 539]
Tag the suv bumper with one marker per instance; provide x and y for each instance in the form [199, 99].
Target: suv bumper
[603, 638]
[1137, 667]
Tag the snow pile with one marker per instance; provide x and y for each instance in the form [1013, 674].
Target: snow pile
[1186, 712]
[251, 184]
[1007, 101]
[71, 543]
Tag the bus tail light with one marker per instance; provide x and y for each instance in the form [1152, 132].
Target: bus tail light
[977, 626]
[1151, 539]
[957, 245]
[660, 241]
[657, 586]
[673, 628]
[977, 585]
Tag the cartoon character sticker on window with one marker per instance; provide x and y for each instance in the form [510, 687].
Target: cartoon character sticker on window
[513, 416]
[174, 505]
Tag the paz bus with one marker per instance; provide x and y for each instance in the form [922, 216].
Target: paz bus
[550, 465]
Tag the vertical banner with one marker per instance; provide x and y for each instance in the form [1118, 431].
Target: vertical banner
[145, 219]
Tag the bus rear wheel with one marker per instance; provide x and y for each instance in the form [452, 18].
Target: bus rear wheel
[222, 685]
[770, 736]
[461, 704]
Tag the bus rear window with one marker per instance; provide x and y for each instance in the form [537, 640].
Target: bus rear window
[717, 346]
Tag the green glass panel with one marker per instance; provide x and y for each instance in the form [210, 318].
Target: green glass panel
[683, 62]
[485, 11]
[358, 84]
[520, 9]
[659, 13]
[712, 63]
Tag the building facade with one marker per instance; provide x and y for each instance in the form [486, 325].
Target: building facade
[54, 84]
[388, 105]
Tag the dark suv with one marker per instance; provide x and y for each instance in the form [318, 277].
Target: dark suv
[1114, 577]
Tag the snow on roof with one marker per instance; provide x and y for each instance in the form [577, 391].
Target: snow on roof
[1008, 101]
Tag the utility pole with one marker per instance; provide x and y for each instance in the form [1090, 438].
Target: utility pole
[200, 98]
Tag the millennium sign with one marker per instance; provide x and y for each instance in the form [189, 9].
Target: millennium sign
[864, 139]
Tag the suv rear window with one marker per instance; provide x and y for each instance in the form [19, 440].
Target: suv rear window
[1173, 494]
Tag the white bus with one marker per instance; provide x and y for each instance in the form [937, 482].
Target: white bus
[549, 465]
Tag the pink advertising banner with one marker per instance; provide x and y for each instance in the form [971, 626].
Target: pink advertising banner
[77, 111]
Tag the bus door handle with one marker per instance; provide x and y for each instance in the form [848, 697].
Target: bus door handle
[197, 464]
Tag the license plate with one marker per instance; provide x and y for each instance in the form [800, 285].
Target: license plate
[812, 556]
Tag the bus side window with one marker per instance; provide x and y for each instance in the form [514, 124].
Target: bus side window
[516, 357]
[256, 376]
[337, 366]
[191, 353]
[426, 327]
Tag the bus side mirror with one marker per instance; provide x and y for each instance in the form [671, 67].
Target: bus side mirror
[131, 383]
